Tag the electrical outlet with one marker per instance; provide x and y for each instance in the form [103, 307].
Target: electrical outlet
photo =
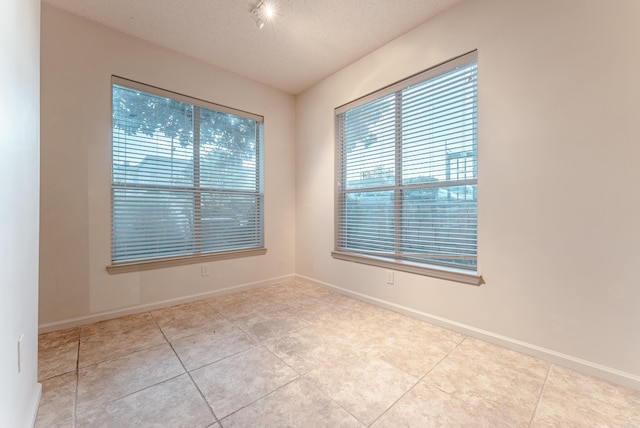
[390, 277]
[204, 270]
[20, 352]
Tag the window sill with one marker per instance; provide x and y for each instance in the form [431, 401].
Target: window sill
[180, 261]
[450, 274]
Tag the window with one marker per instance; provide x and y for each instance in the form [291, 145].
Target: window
[186, 179]
[407, 174]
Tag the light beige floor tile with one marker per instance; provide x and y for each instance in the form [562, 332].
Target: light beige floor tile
[298, 291]
[114, 338]
[184, 320]
[426, 406]
[493, 380]
[335, 298]
[313, 310]
[174, 403]
[57, 352]
[314, 289]
[285, 291]
[298, 404]
[254, 295]
[223, 300]
[245, 306]
[364, 387]
[57, 338]
[388, 323]
[408, 326]
[67, 423]
[116, 325]
[205, 348]
[308, 302]
[571, 399]
[414, 346]
[57, 360]
[269, 325]
[415, 356]
[56, 403]
[113, 379]
[354, 328]
[232, 383]
[355, 305]
[308, 348]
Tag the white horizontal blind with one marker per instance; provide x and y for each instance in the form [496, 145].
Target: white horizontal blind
[407, 170]
[187, 180]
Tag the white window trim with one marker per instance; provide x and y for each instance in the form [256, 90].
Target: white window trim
[181, 261]
[142, 265]
[441, 272]
[466, 276]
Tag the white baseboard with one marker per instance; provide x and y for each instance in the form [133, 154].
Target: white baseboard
[106, 315]
[558, 358]
[35, 405]
[607, 373]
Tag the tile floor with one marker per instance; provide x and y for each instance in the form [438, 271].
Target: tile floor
[297, 355]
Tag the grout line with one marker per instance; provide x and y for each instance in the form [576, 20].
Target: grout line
[213, 413]
[93, 410]
[444, 358]
[74, 412]
[221, 359]
[420, 379]
[255, 344]
[544, 386]
[395, 402]
[330, 398]
[135, 351]
[298, 377]
[123, 355]
[145, 388]
[264, 347]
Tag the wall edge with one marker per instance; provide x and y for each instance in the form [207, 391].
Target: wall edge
[106, 315]
[609, 374]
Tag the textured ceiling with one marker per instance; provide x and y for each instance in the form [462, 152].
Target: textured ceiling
[307, 41]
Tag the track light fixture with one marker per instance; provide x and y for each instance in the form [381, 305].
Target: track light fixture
[263, 11]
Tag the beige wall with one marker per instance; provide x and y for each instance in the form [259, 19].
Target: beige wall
[78, 59]
[559, 215]
[19, 172]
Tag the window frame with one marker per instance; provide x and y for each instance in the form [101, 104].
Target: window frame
[447, 272]
[194, 258]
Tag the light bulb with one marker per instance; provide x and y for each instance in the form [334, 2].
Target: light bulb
[269, 10]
